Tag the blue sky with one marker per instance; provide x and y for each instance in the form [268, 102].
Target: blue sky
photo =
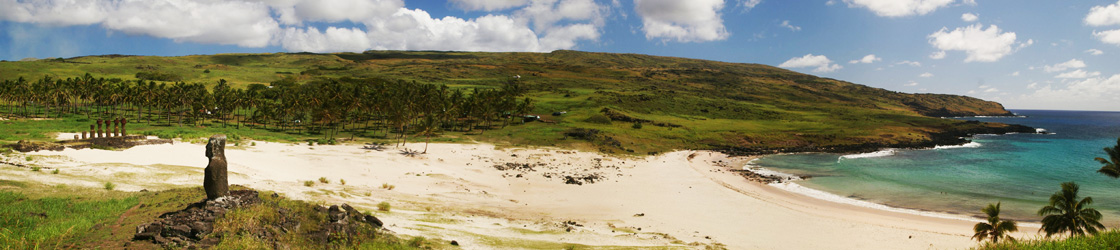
[1025, 54]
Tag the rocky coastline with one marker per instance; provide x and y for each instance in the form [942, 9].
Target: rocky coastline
[949, 137]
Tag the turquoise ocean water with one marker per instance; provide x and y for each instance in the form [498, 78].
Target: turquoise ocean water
[1020, 170]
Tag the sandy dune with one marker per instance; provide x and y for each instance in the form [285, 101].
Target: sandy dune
[685, 199]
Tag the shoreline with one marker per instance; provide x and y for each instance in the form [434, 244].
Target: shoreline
[792, 187]
[456, 192]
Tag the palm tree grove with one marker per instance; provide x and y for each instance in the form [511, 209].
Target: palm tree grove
[323, 106]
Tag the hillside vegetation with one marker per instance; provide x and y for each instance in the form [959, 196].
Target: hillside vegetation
[613, 102]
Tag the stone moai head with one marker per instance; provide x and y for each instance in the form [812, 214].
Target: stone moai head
[216, 147]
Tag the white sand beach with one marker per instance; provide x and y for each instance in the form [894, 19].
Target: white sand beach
[686, 199]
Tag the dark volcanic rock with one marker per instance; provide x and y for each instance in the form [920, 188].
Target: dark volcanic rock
[190, 226]
[953, 136]
[336, 214]
[374, 221]
[215, 182]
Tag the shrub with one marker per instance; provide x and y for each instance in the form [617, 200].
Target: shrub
[598, 119]
[253, 144]
[637, 125]
[110, 186]
[158, 76]
[55, 171]
[324, 180]
[417, 241]
[35, 168]
[308, 183]
[342, 181]
[206, 71]
[387, 186]
[29, 158]
[383, 206]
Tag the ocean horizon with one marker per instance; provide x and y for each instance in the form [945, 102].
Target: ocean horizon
[1019, 170]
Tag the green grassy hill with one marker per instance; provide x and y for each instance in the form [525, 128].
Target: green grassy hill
[680, 103]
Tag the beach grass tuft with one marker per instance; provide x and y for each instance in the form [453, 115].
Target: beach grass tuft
[1105, 240]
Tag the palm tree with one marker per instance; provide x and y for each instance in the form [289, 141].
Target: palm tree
[1068, 214]
[1110, 168]
[995, 228]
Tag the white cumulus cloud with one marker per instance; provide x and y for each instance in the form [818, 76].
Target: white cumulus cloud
[682, 21]
[1071, 64]
[969, 17]
[867, 59]
[926, 75]
[1096, 93]
[488, 5]
[1078, 74]
[1104, 15]
[911, 84]
[344, 25]
[820, 62]
[1095, 52]
[981, 45]
[748, 4]
[1109, 36]
[911, 63]
[937, 55]
[58, 12]
[234, 22]
[334, 10]
[785, 24]
[899, 8]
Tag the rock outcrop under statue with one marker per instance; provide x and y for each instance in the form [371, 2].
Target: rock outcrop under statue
[216, 180]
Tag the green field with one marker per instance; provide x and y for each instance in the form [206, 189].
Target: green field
[680, 103]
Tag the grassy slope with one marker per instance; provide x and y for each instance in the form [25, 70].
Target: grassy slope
[717, 104]
[36, 216]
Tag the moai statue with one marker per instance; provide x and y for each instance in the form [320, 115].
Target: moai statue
[123, 122]
[84, 135]
[100, 133]
[91, 132]
[116, 125]
[216, 180]
[76, 137]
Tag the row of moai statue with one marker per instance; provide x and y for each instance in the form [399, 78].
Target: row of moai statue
[118, 129]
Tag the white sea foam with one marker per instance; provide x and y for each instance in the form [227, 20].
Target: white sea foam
[966, 145]
[880, 153]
